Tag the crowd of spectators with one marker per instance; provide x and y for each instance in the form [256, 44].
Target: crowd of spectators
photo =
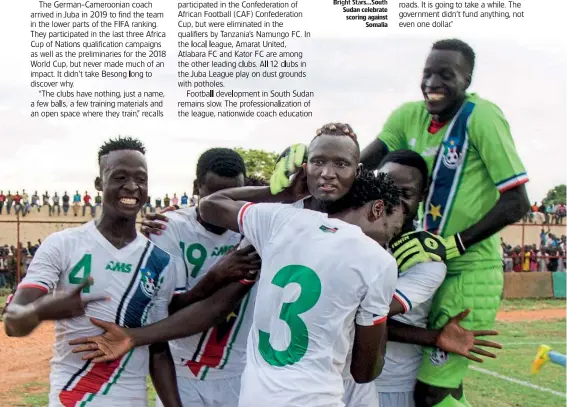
[549, 255]
[549, 214]
[546, 213]
[23, 204]
[9, 261]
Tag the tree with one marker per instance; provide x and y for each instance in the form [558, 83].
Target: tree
[259, 163]
[556, 195]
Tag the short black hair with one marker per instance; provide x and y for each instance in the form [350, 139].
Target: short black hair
[337, 129]
[224, 162]
[121, 143]
[458, 46]
[253, 181]
[369, 187]
[408, 158]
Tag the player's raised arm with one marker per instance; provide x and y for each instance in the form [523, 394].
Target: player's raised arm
[31, 306]
[373, 154]
[370, 330]
[33, 301]
[391, 138]
[237, 265]
[222, 208]
[198, 317]
[491, 136]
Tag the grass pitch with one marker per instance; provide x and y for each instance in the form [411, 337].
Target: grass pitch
[504, 382]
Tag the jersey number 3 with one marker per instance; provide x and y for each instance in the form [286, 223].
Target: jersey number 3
[310, 285]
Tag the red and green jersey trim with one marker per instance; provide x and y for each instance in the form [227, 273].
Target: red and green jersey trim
[90, 385]
[211, 357]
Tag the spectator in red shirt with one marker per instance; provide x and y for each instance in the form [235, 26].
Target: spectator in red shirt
[517, 259]
[2, 200]
[87, 200]
[17, 202]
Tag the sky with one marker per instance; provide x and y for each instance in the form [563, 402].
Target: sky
[358, 75]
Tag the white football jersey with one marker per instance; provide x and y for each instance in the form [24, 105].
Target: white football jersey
[414, 290]
[219, 352]
[138, 279]
[319, 275]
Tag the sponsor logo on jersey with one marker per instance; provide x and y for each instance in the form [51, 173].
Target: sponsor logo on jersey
[117, 266]
[149, 282]
[438, 357]
[222, 250]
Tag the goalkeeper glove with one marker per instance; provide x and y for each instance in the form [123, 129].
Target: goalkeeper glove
[421, 247]
[287, 164]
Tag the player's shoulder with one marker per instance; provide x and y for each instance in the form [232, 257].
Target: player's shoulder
[483, 107]
[275, 209]
[182, 221]
[69, 234]
[410, 109]
[182, 216]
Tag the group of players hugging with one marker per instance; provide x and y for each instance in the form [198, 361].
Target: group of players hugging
[358, 279]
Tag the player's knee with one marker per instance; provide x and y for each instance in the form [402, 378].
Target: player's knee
[426, 395]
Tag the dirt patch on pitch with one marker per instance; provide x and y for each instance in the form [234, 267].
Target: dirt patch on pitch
[531, 315]
[25, 360]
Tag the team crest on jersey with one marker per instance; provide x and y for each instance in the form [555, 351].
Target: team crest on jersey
[149, 282]
[451, 157]
[438, 357]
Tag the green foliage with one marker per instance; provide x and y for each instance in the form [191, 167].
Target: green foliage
[556, 195]
[259, 163]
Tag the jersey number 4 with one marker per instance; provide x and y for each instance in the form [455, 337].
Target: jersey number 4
[310, 285]
[81, 271]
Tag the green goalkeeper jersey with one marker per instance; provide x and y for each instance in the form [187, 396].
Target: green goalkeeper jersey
[485, 165]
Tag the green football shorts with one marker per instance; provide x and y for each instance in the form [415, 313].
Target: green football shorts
[479, 289]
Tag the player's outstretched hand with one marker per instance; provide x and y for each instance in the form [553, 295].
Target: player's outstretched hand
[111, 345]
[68, 305]
[456, 339]
[154, 223]
[237, 265]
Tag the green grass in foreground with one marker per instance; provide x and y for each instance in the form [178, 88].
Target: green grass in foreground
[531, 304]
[520, 340]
